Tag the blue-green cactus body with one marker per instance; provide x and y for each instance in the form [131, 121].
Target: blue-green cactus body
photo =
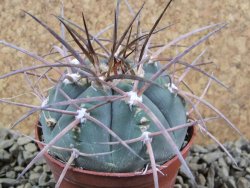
[126, 121]
[72, 90]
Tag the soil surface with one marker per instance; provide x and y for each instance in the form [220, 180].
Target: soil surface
[229, 49]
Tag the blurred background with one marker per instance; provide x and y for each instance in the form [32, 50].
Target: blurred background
[228, 50]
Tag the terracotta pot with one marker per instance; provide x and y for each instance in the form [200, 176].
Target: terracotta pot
[78, 178]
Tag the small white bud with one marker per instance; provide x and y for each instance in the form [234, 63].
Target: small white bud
[172, 88]
[74, 62]
[101, 77]
[140, 73]
[51, 122]
[72, 78]
[144, 120]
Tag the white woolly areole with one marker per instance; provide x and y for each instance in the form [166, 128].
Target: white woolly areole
[74, 62]
[101, 77]
[74, 78]
[75, 153]
[172, 88]
[45, 102]
[133, 97]
[145, 137]
[140, 72]
[81, 114]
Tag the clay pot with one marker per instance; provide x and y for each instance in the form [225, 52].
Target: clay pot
[79, 178]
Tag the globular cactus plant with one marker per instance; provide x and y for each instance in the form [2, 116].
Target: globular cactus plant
[116, 110]
[122, 116]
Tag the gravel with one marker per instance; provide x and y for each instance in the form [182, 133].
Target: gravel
[211, 167]
[15, 154]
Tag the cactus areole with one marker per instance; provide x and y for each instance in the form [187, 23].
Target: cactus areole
[126, 119]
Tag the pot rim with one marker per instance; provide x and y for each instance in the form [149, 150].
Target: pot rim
[184, 150]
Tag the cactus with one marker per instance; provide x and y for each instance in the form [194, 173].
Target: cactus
[117, 110]
[125, 119]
